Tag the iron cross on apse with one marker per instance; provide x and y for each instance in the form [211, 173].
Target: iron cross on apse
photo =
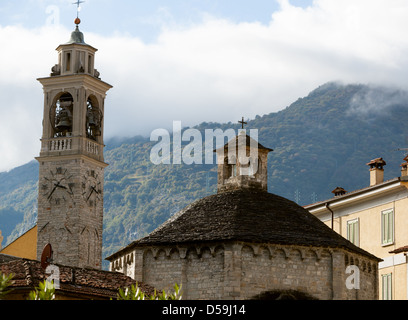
[243, 122]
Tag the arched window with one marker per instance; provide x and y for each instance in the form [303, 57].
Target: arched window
[251, 168]
[230, 164]
[93, 119]
[233, 165]
[259, 167]
[61, 114]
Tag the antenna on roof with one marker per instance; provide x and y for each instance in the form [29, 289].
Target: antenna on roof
[403, 149]
[405, 152]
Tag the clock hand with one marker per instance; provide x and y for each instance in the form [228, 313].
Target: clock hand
[70, 189]
[95, 190]
[55, 187]
[90, 194]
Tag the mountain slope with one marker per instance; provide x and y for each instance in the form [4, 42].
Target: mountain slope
[320, 142]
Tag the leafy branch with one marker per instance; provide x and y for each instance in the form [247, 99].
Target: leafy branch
[134, 293]
[5, 282]
[45, 291]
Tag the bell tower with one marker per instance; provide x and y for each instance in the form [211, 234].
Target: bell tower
[71, 177]
[242, 164]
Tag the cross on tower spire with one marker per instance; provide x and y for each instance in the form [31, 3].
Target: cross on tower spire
[243, 122]
[78, 4]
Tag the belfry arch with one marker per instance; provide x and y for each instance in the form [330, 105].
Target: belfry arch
[94, 119]
[62, 115]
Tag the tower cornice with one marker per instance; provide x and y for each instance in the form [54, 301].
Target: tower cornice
[74, 80]
[72, 157]
[76, 45]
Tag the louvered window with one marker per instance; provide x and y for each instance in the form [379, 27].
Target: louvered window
[387, 227]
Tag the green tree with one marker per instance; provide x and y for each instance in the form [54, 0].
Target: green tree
[45, 291]
[134, 293]
[5, 282]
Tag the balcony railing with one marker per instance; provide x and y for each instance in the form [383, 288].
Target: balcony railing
[73, 145]
[60, 144]
[92, 148]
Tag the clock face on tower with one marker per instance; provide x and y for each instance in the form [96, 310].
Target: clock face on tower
[91, 188]
[57, 187]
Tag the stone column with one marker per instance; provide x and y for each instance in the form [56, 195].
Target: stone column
[138, 265]
[232, 271]
[184, 269]
[338, 276]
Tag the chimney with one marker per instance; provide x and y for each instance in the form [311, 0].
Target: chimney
[1, 240]
[339, 192]
[404, 167]
[376, 171]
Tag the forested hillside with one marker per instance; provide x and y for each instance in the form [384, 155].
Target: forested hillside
[320, 142]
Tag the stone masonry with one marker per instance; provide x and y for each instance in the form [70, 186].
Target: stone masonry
[246, 243]
[244, 271]
[69, 221]
[71, 177]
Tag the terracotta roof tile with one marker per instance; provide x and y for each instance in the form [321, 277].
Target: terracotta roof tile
[99, 283]
[400, 250]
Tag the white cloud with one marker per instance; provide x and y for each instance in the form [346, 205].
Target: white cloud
[215, 70]
[27, 54]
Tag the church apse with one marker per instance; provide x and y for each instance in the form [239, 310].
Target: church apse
[244, 241]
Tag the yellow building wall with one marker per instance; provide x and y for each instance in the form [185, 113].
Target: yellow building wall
[370, 240]
[370, 227]
[399, 281]
[24, 247]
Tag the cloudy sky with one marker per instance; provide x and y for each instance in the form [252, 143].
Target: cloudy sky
[194, 60]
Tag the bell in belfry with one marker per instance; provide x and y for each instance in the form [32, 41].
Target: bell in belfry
[63, 123]
[92, 119]
[93, 123]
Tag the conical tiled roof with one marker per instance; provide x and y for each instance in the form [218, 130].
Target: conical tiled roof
[249, 216]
